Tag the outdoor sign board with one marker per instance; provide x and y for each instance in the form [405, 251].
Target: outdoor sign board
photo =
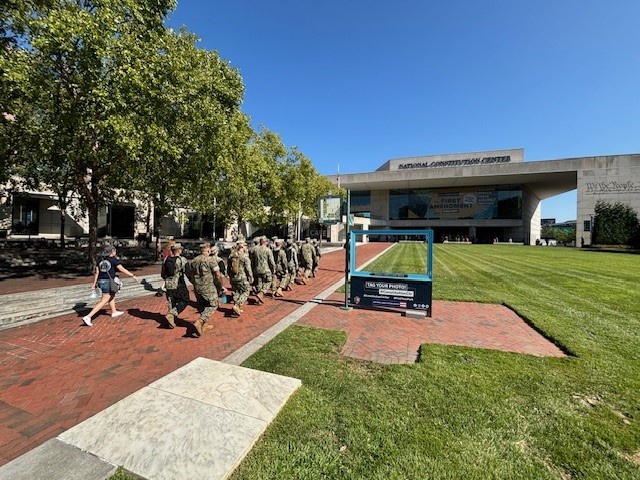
[409, 291]
[329, 209]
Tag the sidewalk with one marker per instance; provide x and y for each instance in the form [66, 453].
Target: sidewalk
[57, 373]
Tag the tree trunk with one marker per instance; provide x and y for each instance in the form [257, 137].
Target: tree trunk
[63, 219]
[93, 237]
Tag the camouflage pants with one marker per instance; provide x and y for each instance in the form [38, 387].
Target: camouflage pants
[207, 303]
[280, 279]
[178, 300]
[308, 266]
[240, 292]
[263, 282]
[293, 272]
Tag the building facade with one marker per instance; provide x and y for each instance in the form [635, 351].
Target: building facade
[488, 196]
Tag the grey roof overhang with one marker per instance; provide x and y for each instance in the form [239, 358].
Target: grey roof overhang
[544, 178]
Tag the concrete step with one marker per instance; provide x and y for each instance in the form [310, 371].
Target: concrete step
[24, 307]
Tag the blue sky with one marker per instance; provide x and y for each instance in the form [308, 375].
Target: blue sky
[353, 83]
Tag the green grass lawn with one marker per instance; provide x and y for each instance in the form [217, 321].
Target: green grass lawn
[473, 413]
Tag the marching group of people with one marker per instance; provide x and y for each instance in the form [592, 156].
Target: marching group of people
[262, 269]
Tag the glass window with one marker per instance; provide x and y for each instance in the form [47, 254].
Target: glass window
[486, 202]
[587, 225]
[360, 199]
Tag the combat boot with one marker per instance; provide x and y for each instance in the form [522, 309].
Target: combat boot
[198, 326]
[236, 310]
[260, 296]
[279, 292]
[170, 320]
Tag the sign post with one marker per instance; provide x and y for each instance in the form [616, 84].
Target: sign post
[347, 254]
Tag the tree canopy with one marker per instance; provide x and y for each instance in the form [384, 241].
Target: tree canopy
[100, 100]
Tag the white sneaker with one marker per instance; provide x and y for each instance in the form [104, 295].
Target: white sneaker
[87, 321]
[116, 314]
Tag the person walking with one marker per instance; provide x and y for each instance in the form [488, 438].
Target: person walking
[316, 257]
[264, 268]
[107, 271]
[254, 262]
[292, 263]
[241, 276]
[308, 253]
[165, 253]
[207, 282]
[281, 276]
[176, 288]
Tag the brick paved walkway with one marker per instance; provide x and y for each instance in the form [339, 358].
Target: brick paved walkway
[57, 372]
[388, 337]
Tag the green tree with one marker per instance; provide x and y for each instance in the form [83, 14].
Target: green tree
[562, 235]
[65, 70]
[615, 224]
[185, 106]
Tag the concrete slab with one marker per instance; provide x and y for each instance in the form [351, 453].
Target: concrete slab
[198, 422]
[55, 459]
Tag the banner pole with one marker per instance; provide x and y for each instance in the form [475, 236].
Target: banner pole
[347, 254]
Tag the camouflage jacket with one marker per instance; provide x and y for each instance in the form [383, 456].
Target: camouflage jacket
[280, 258]
[207, 274]
[264, 260]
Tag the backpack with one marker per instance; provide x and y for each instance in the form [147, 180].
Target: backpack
[170, 266]
[235, 265]
[190, 271]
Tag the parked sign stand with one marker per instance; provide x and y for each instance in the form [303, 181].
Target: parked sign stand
[409, 291]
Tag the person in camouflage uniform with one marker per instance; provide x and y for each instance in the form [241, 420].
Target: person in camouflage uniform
[207, 283]
[282, 268]
[241, 279]
[308, 253]
[316, 257]
[254, 262]
[291, 253]
[175, 286]
[264, 268]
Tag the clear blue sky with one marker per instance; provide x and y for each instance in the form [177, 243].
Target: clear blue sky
[354, 83]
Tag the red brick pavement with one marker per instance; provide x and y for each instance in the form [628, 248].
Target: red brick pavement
[389, 337]
[57, 372]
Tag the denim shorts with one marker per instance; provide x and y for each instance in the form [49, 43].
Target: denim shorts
[103, 285]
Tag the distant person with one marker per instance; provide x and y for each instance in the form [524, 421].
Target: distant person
[107, 270]
[165, 253]
[316, 257]
[173, 274]
[206, 285]
[308, 254]
[265, 266]
[281, 276]
[241, 276]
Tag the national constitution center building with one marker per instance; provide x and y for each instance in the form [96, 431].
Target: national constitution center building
[488, 195]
